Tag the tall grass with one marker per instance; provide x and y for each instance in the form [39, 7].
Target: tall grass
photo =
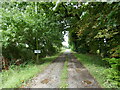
[19, 75]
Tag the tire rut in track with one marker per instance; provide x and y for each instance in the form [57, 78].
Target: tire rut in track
[78, 75]
[50, 77]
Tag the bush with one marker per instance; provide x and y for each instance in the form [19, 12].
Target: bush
[113, 72]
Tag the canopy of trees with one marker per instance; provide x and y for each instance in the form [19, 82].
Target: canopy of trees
[93, 28]
[29, 26]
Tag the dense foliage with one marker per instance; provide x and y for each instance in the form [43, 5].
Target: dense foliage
[29, 26]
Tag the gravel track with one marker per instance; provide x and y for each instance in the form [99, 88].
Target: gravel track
[50, 78]
[78, 75]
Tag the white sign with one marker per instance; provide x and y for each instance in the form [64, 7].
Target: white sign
[37, 51]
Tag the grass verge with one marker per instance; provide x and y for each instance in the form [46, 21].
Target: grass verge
[64, 75]
[19, 75]
[96, 67]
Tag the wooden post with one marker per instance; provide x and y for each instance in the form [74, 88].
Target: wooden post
[37, 57]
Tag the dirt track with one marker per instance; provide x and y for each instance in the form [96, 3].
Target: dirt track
[50, 78]
[78, 76]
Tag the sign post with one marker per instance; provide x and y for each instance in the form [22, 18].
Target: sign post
[37, 52]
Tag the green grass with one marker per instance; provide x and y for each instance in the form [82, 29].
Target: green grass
[19, 75]
[96, 67]
[64, 75]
